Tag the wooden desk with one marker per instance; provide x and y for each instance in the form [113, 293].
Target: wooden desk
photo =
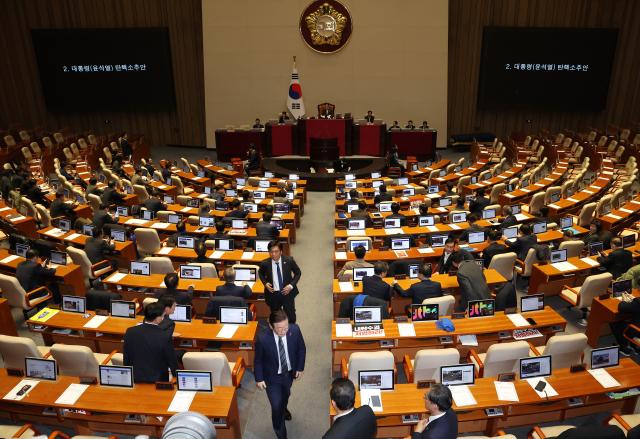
[421, 173]
[106, 407]
[477, 167]
[595, 191]
[549, 280]
[603, 312]
[520, 195]
[621, 217]
[125, 250]
[219, 170]
[502, 178]
[25, 225]
[183, 255]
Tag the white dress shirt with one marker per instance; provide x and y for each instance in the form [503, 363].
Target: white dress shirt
[276, 283]
[433, 418]
[276, 337]
[343, 414]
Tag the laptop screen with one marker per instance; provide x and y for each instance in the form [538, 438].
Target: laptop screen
[64, 224]
[376, 175]
[534, 302]
[224, 244]
[534, 367]
[193, 202]
[360, 273]
[384, 207]
[259, 195]
[122, 211]
[245, 274]
[391, 223]
[74, 304]
[264, 183]
[460, 374]
[21, 250]
[540, 227]
[194, 381]
[148, 215]
[408, 192]
[444, 202]
[87, 229]
[250, 207]
[59, 258]
[354, 243]
[424, 221]
[376, 379]
[621, 286]
[628, 240]
[438, 240]
[117, 376]
[400, 244]
[516, 209]
[558, 255]
[239, 224]
[143, 268]
[123, 308]
[205, 221]
[367, 315]
[181, 314]
[510, 232]
[476, 237]
[261, 245]
[40, 368]
[595, 248]
[234, 315]
[173, 219]
[190, 272]
[605, 357]
[356, 224]
[281, 208]
[488, 214]
[403, 180]
[185, 242]
[434, 189]
[566, 222]
[118, 235]
[458, 217]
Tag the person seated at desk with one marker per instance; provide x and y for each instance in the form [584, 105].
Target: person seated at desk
[237, 211]
[472, 219]
[395, 209]
[99, 297]
[171, 288]
[425, 289]
[359, 262]
[394, 159]
[425, 125]
[597, 234]
[169, 306]
[253, 158]
[283, 117]
[247, 196]
[181, 230]
[111, 195]
[473, 283]
[257, 124]
[281, 197]
[229, 288]
[201, 253]
[154, 204]
[449, 192]
[423, 209]
[33, 192]
[102, 218]
[509, 219]
[369, 117]
[116, 165]
[32, 274]
[524, 242]
[383, 195]
[218, 193]
[375, 286]
[149, 348]
[395, 126]
[632, 311]
[634, 274]
[349, 422]
[97, 249]
[266, 230]
[136, 178]
[220, 233]
[618, 261]
[444, 263]
[494, 247]
[410, 125]
[362, 213]
[92, 187]
[59, 207]
[442, 422]
[479, 202]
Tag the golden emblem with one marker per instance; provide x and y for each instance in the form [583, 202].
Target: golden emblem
[326, 25]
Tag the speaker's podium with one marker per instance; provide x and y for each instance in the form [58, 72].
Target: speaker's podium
[324, 150]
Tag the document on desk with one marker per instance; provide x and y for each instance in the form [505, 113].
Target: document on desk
[462, 396]
[55, 232]
[345, 286]
[432, 228]
[355, 232]
[615, 217]
[185, 209]
[425, 250]
[554, 206]
[9, 259]
[181, 401]
[13, 393]
[406, 330]
[116, 277]
[622, 209]
[395, 231]
[590, 262]
[95, 322]
[4, 209]
[19, 218]
[372, 398]
[227, 331]
[135, 222]
[548, 390]
[72, 394]
[218, 254]
[400, 254]
[344, 330]
[587, 191]
[165, 250]
[521, 217]
[564, 266]
[604, 378]
[526, 191]
[160, 225]
[454, 226]
[468, 340]
[73, 236]
[341, 255]
[518, 320]
[506, 391]
[573, 200]
[247, 256]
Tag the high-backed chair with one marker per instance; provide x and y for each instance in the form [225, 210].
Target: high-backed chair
[18, 431]
[604, 205]
[107, 155]
[60, 435]
[147, 241]
[14, 349]
[537, 201]
[27, 208]
[9, 140]
[574, 248]
[445, 304]
[224, 372]
[504, 264]
[551, 191]
[36, 149]
[377, 360]
[159, 264]
[21, 299]
[624, 422]
[586, 214]
[180, 187]
[566, 188]
[582, 296]
[427, 362]
[94, 202]
[141, 192]
[566, 350]
[89, 270]
[499, 358]
[80, 361]
[496, 190]
[549, 432]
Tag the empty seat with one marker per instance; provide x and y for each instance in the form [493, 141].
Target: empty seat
[499, 358]
[78, 361]
[427, 362]
[147, 241]
[159, 264]
[378, 360]
[566, 350]
[582, 296]
[224, 372]
[14, 349]
[445, 304]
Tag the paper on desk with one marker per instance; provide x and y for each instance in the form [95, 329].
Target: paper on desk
[554, 206]
[19, 218]
[433, 196]
[160, 225]
[604, 378]
[12, 395]
[423, 250]
[432, 228]
[217, 254]
[366, 397]
[341, 255]
[72, 394]
[185, 209]
[617, 217]
[539, 184]
[227, 331]
[135, 222]
[564, 266]
[397, 231]
[518, 320]
[355, 232]
[573, 200]
[165, 250]
[548, 390]
[162, 186]
[462, 395]
[526, 191]
[622, 209]
[506, 391]
[587, 191]
[116, 277]
[442, 209]
[468, 340]
[509, 195]
[590, 262]
[345, 286]
[95, 322]
[73, 236]
[343, 330]
[521, 217]
[454, 226]
[181, 401]
[406, 330]
[9, 259]
[247, 256]
[55, 232]
[4, 209]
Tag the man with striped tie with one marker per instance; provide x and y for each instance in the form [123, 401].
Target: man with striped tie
[280, 275]
[279, 359]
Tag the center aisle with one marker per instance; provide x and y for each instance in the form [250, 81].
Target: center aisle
[309, 402]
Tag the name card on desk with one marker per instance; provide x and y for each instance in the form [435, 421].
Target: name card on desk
[518, 320]
[564, 266]
[55, 232]
[615, 217]
[247, 256]
[509, 195]
[227, 331]
[181, 401]
[622, 209]
[587, 191]
[425, 250]
[521, 217]
[526, 191]
[397, 231]
[19, 218]
[604, 378]
[160, 225]
[9, 259]
[71, 394]
[554, 206]
[116, 277]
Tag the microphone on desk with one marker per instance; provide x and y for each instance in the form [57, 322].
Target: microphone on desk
[541, 387]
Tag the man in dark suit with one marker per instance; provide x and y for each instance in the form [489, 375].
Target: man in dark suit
[236, 211]
[524, 242]
[425, 289]
[383, 195]
[280, 275]
[444, 263]
[171, 281]
[509, 219]
[229, 288]
[361, 212]
[266, 230]
[479, 203]
[111, 195]
[97, 248]
[410, 125]
[442, 422]
[349, 422]
[32, 274]
[253, 158]
[149, 349]
[369, 117]
[257, 125]
[494, 247]
[473, 283]
[181, 230]
[92, 187]
[59, 207]
[472, 219]
[101, 218]
[169, 306]
[394, 158]
[395, 209]
[375, 286]
[279, 359]
[347, 304]
[154, 204]
[618, 261]
[394, 126]
[125, 146]
[597, 234]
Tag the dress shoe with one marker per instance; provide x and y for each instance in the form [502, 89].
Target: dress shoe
[287, 415]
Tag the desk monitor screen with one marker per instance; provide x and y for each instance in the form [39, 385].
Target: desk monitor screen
[628, 240]
[403, 180]
[408, 192]
[400, 243]
[349, 177]
[291, 195]
[278, 223]
[241, 181]
[118, 235]
[621, 286]
[181, 314]
[281, 208]
[391, 223]
[367, 315]
[264, 184]
[74, 304]
[245, 274]
[434, 189]
[207, 190]
[469, 198]
[205, 221]
[413, 271]
[250, 207]
[239, 224]
[356, 224]
[516, 209]
[438, 240]
[595, 248]
[354, 243]
[40, 368]
[294, 177]
[443, 173]
[122, 211]
[193, 202]
[268, 174]
[558, 255]
[474, 180]
[376, 379]
[534, 367]
[350, 184]
[384, 207]
[459, 217]
[444, 202]
[424, 312]
[231, 193]
[566, 222]
[414, 167]
[488, 214]
[168, 199]
[234, 315]
[117, 376]
[360, 273]
[351, 207]
[142, 268]
[224, 244]
[510, 187]
[173, 218]
[194, 380]
[64, 224]
[481, 308]
[87, 230]
[377, 183]
[534, 302]
[376, 175]
[123, 308]
[148, 215]
[605, 357]
[476, 237]
[554, 197]
[186, 242]
[191, 272]
[510, 232]
[261, 245]
[540, 227]
[460, 374]
[259, 195]
[21, 250]
[524, 183]
[424, 221]
[58, 258]
[168, 180]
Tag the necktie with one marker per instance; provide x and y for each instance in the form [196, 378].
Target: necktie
[279, 274]
[283, 356]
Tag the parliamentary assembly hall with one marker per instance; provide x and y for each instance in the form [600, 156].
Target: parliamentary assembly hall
[336, 219]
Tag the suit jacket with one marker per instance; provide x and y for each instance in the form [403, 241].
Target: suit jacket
[153, 204]
[595, 432]
[369, 119]
[100, 299]
[149, 349]
[167, 325]
[473, 284]
[60, 208]
[291, 273]
[231, 289]
[383, 196]
[32, 275]
[509, 221]
[182, 297]
[522, 245]
[374, 286]
[359, 424]
[102, 217]
[266, 361]
[266, 230]
[478, 204]
[346, 306]
[111, 196]
[93, 189]
[97, 248]
[493, 249]
[617, 262]
[445, 427]
[444, 267]
[425, 289]
[238, 213]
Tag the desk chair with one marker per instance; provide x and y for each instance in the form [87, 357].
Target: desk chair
[224, 372]
[574, 248]
[163, 215]
[462, 182]
[445, 304]
[89, 270]
[566, 349]
[74, 150]
[582, 296]
[575, 159]
[141, 192]
[499, 358]
[504, 264]
[14, 349]
[147, 241]
[60, 435]
[107, 155]
[18, 431]
[566, 188]
[427, 362]
[28, 209]
[37, 152]
[591, 431]
[496, 190]
[207, 270]
[624, 422]
[551, 191]
[19, 298]
[499, 435]
[586, 215]
[618, 155]
[94, 202]
[159, 264]
[78, 361]
[43, 216]
[377, 360]
[603, 204]
[524, 268]
[537, 201]
[182, 199]
[180, 188]
[193, 220]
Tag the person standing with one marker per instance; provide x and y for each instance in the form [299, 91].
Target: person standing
[279, 359]
[471, 278]
[349, 422]
[280, 275]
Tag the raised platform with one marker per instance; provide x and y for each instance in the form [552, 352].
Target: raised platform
[321, 180]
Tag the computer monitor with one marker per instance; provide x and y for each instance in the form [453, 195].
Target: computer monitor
[356, 242]
[424, 312]
[628, 240]
[231, 193]
[268, 174]
[376, 175]
[554, 197]
[186, 242]
[279, 223]
[224, 244]
[595, 248]
[481, 308]
[351, 207]
[207, 190]
[621, 286]
[566, 222]
[173, 218]
[74, 304]
[291, 195]
[182, 313]
[87, 229]
[376, 379]
[443, 173]
[558, 256]
[509, 188]
[474, 180]
[191, 272]
[64, 224]
[118, 235]
[510, 232]
[294, 177]
[200, 174]
[141, 268]
[21, 250]
[40, 368]
[540, 227]
[424, 221]
[241, 181]
[534, 302]
[148, 215]
[400, 243]
[350, 184]
[123, 308]
[458, 375]
[434, 189]
[116, 376]
[240, 223]
[356, 224]
[392, 223]
[377, 183]
[245, 274]
[250, 207]
[516, 209]
[58, 258]
[605, 357]
[264, 184]
[193, 202]
[349, 177]
[414, 269]
[234, 315]
[206, 221]
[535, 367]
[459, 217]
[261, 245]
[476, 237]
[384, 206]
[361, 272]
[122, 211]
[444, 202]
[371, 315]
[281, 208]
[402, 181]
[259, 195]
[524, 183]
[408, 192]
[194, 380]
[488, 214]
[438, 240]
